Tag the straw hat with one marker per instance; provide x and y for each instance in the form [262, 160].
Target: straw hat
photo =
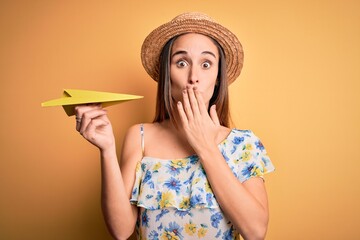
[192, 22]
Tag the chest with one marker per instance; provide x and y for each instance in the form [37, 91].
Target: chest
[166, 146]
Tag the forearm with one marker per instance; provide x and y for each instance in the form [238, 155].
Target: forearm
[247, 214]
[119, 214]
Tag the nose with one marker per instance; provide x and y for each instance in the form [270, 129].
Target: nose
[193, 75]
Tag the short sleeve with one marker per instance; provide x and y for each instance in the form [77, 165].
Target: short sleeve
[247, 156]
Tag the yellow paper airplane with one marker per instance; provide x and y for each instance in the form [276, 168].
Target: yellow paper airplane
[74, 97]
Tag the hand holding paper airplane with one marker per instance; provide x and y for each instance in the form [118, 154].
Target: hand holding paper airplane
[73, 97]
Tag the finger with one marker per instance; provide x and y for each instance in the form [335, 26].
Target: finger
[182, 114]
[186, 105]
[214, 115]
[90, 131]
[193, 102]
[81, 109]
[201, 103]
[78, 124]
[88, 116]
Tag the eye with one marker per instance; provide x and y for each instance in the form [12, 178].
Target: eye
[206, 65]
[181, 63]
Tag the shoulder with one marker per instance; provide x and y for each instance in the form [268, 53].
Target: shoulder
[132, 137]
[244, 134]
[247, 139]
[239, 136]
[135, 130]
[131, 152]
[242, 131]
[133, 134]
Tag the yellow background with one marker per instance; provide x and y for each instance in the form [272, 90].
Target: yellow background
[299, 92]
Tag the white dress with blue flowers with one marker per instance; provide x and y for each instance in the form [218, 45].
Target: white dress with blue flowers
[175, 199]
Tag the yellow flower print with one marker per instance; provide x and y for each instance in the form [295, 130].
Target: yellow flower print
[169, 236]
[207, 187]
[246, 156]
[190, 228]
[249, 146]
[196, 180]
[202, 232]
[262, 164]
[157, 166]
[167, 200]
[178, 163]
[185, 203]
[256, 172]
[140, 190]
[138, 166]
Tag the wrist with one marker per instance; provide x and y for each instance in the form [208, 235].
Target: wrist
[108, 152]
[208, 153]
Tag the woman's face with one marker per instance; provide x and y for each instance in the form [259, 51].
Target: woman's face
[194, 61]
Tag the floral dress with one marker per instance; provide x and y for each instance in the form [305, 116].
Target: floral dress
[175, 199]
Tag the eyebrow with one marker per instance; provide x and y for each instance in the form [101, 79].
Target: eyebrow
[179, 53]
[208, 52]
[185, 52]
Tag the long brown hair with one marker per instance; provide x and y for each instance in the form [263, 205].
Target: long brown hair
[165, 106]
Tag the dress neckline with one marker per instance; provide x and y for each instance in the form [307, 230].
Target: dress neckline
[190, 157]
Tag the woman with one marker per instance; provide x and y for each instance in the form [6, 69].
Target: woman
[187, 175]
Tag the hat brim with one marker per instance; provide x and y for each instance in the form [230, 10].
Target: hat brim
[155, 41]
